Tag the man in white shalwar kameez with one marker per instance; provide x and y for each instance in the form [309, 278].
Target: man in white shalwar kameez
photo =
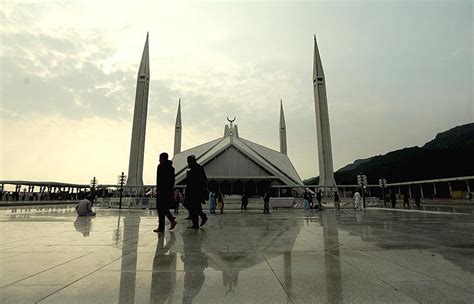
[357, 201]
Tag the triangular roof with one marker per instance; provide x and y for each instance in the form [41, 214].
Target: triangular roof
[272, 161]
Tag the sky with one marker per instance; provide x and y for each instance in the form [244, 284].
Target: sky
[397, 73]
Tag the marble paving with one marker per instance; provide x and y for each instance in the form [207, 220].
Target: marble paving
[48, 255]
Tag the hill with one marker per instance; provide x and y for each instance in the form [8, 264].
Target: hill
[449, 154]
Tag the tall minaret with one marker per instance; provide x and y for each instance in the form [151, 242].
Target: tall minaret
[177, 130]
[326, 171]
[137, 147]
[283, 148]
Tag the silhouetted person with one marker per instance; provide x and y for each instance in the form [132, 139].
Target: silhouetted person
[337, 201]
[406, 200]
[165, 195]
[245, 202]
[319, 197]
[266, 203]
[393, 199]
[84, 207]
[196, 180]
[417, 200]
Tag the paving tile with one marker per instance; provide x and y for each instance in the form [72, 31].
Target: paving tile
[291, 256]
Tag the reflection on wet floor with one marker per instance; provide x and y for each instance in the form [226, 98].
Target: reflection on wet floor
[290, 256]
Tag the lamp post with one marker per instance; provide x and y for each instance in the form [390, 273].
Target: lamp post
[383, 183]
[122, 179]
[93, 184]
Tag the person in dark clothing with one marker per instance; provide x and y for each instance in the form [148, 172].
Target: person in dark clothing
[266, 203]
[165, 195]
[406, 200]
[245, 202]
[417, 200]
[337, 201]
[319, 197]
[196, 192]
[393, 199]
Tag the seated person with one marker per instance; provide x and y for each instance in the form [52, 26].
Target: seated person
[84, 207]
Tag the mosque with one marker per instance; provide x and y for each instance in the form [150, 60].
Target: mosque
[234, 164]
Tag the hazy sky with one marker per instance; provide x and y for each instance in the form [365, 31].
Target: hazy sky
[397, 72]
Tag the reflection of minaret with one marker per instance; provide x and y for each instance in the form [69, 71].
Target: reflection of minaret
[128, 270]
[177, 130]
[283, 148]
[326, 171]
[137, 147]
[332, 259]
[287, 275]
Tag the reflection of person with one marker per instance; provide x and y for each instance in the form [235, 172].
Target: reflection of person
[83, 225]
[196, 180]
[177, 200]
[165, 196]
[163, 278]
[230, 278]
[84, 207]
[194, 264]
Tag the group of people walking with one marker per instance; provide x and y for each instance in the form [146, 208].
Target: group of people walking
[196, 192]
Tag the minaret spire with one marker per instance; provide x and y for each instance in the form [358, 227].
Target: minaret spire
[283, 146]
[137, 147]
[326, 171]
[177, 130]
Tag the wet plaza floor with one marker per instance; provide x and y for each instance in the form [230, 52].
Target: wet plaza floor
[48, 255]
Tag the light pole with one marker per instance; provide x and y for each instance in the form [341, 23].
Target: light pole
[93, 184]
[383, 183]
[122, 179]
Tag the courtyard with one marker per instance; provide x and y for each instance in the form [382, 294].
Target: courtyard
[49, 255]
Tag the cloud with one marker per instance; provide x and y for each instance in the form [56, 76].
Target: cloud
[389, 86]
